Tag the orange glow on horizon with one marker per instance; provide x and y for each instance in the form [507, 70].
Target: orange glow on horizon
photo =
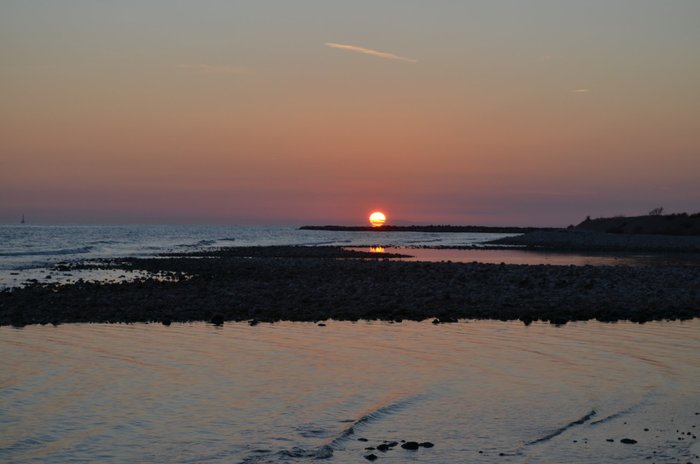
[377, 219]
[314, 121]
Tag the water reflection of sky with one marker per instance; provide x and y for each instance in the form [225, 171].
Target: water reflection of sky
[256, 394]
[23, 277]
[512, 256]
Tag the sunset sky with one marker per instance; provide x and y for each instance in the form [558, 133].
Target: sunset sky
[292, 112]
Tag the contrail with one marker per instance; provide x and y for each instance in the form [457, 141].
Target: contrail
[369, 51]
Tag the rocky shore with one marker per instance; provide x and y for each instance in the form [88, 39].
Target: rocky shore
[267, 284]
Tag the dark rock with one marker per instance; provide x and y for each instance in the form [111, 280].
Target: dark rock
[426, 444]
[311, 284]
[370, 448]
[410, 445]
[166, 321]
[321, 324]
[609, 439]
[383, 447]
[628, 441]
[371, 457]
[362, 439]
[558, 320]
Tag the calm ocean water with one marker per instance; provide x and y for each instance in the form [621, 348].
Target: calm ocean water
[26, 251]
[481, 391]
[29, 251]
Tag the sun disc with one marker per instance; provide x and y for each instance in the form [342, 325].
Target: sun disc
[377, 219]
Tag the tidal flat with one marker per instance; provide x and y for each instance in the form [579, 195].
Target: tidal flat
[292, 283]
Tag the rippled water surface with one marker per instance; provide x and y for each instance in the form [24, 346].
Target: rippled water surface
[296, 392]
[28, 252]
[29, 246]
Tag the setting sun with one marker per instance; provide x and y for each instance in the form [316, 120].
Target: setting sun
[377, 219]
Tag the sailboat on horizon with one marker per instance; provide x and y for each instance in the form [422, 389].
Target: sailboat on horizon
[22, 221]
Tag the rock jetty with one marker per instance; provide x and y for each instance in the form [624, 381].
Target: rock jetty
[430, 229]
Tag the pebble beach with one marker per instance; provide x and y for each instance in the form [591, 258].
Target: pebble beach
[268, 284]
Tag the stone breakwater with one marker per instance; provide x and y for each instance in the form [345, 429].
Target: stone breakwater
[303, 284]
[585, 240]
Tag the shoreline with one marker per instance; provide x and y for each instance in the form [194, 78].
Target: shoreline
[268, 284]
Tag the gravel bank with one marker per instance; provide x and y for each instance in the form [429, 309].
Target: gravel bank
[271, 284]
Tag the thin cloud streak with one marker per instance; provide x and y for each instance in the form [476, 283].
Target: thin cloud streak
[369, 51]
[581, 90]
[554, 193]
[215, 70]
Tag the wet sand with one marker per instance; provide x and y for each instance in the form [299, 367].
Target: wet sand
[267, 284]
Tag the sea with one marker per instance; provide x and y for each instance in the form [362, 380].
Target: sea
[28, 253]
[337, 391]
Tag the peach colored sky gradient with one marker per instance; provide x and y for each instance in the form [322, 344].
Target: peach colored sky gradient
[270, 112]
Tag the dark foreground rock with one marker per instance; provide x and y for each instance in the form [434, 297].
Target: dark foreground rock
[232, 286]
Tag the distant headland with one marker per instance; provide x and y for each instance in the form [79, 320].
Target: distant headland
[430, 228]
[654, 223]
[654, 232]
